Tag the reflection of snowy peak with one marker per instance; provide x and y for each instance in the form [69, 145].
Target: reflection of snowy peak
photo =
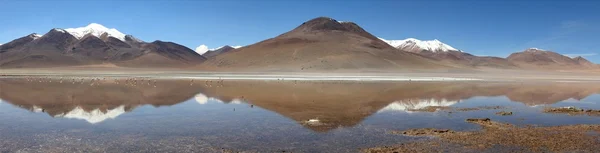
[94, 116]
[412, 104]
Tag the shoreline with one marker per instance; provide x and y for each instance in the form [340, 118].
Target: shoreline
[489, 76]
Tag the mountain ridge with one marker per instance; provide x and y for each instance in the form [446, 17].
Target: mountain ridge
[92, 45]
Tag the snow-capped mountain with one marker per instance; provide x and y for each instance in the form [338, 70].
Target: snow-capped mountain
[96, 30]
[416, 45]
[408, 105]
[93, 44]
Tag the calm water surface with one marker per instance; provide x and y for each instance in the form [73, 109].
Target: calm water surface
[107, 115]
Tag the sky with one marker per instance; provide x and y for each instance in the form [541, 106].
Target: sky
[487, 28]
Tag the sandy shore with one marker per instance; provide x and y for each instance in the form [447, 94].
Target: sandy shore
[333, 76]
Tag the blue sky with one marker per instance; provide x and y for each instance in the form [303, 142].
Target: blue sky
[494, 28]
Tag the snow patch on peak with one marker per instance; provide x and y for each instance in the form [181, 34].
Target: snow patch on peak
[96, 30]
[216, 48]
[534, 50]
[429, 45]
[234, 47]
[94, 116]
[59, 30]
[35, 35]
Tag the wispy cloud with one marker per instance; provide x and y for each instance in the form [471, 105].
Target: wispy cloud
[563, 30]
[581, 54]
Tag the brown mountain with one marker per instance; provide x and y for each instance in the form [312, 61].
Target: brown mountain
[537, 58]
[19, 42]
[221, 50]
[321, 44]
[59, 47]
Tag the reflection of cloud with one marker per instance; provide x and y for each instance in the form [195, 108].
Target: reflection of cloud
[236, 101]
[406, 105]
[37, 109]
[581, 54]
[94, 116]
[201, 99]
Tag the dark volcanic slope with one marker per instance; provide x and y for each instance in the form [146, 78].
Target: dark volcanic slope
[465, 59]
[59, 48]
[584, 62]
[536, 58]
[212, 53]
[321, 44]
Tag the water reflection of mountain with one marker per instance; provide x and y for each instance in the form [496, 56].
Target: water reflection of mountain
[93, 103]
[344, 105]
[332, 104]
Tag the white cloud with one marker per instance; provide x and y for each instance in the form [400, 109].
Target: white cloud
[236, 47]
[582, 54]
[201, 49]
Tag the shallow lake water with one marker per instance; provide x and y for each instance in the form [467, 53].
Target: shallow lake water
[148, 115]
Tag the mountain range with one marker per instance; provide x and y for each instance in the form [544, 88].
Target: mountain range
[93, 45]
[320, 44]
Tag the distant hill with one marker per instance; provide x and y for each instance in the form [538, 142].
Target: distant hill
[542, 59]
[217, 51]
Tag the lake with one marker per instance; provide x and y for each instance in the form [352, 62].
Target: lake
[84, 114]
